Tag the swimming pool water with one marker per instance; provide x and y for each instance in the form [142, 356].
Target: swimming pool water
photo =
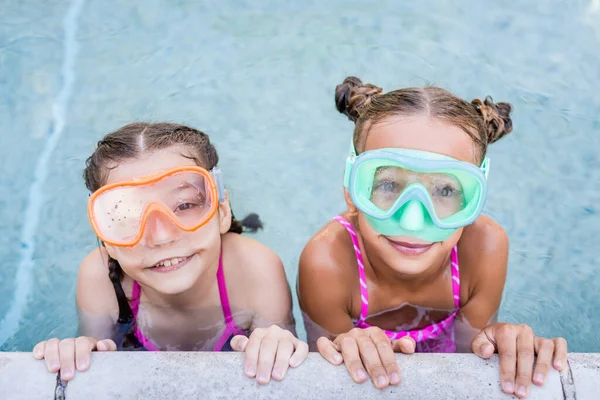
[258, 76]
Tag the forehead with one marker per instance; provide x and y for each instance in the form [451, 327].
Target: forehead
[422, 133]
[149, 163]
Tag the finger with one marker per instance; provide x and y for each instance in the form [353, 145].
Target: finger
[251, 355]
[66, 354]
[387, 356]
[39, 349]
[266, 359]
[545, 351]
[351, 357]
[285, 349]
[51, 355]
[525, 359]
[239, 342]
[329, 351]
[560, 353]
[83, 348]
[406, 345]
[300, 353]
[482, 346]
[106, 345]
[506, 339]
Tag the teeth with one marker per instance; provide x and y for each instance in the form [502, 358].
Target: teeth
[172, 261]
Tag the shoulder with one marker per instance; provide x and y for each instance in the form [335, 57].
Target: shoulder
[483, 253]
[327, 268]
[95, 292]
[484, 238]
[251, 256]
[255, 273]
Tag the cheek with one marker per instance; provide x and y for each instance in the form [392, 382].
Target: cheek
[129, 258]
[367, 232]
[205, 236]
[452, 240]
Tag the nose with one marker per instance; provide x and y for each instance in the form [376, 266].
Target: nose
[412, 216]
[160, 229]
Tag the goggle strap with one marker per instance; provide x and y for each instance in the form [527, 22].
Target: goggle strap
[218, 177]
[485, 167]
[349, 163]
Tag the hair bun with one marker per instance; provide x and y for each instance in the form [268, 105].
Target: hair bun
[496, 117]
[352, 96]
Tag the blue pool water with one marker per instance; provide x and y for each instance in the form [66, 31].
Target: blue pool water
[258, 76]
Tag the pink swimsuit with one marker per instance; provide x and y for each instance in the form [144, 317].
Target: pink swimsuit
[435, 338]
[230, 328]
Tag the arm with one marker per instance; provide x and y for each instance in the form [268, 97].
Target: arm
[97, 304]
[322, 294]
[516, 344]
[98, 310]
[325, 295]
[272, 346]
[272, 303]
[486, 260]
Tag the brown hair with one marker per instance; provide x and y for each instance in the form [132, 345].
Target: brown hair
[131, 141]
[365, 104]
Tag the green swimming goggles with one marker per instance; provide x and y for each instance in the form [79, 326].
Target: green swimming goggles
[415, 193]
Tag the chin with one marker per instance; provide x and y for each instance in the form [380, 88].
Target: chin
[410, 257]
[172, 282]
[174, 285]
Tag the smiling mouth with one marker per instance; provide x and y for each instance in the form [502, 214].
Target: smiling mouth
[410, 249]
[170, 264]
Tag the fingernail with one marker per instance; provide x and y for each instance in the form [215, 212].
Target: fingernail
[67, 373]
[250, 372]
[381, 381]
[361, 375]
[558, 364]
[521, 391]
[277, 374]
[82, 366]
[508, 387]
[538, 378]
[262, 378]
[337, 358]
[395, 379]
[54, 367]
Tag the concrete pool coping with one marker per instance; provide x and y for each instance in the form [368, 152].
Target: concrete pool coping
[178, 375]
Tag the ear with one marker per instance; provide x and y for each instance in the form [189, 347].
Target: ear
[224, 215]
[351, 207]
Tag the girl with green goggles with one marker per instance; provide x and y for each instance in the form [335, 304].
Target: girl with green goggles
[413, 265]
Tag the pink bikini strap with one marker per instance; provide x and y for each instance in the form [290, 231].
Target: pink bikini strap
[455, 277]
[364, 293]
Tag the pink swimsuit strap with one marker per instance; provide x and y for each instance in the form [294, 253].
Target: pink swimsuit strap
[231, 328]
[419, 335]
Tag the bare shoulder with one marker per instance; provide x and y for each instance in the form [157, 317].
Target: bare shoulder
[327, 267]
[483, 251]
[485, 237]
[251, 256]
[257, 280]
[95, 292]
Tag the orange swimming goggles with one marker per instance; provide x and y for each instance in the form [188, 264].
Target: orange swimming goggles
[188, 196]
